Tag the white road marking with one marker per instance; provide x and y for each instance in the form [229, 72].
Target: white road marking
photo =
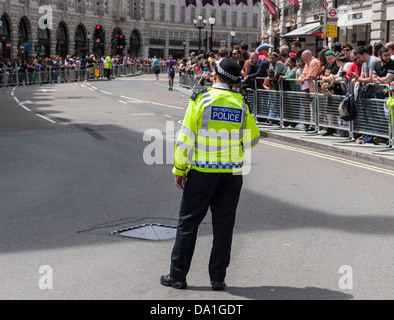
[45, 118]
[106, 92]
[121, 101]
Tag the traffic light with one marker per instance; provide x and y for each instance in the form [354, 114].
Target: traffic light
[122, 41]
[98, 33]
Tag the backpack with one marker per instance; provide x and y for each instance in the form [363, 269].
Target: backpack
[348, 108]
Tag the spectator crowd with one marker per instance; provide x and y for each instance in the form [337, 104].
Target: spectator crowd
[57, 69]
[333, 71]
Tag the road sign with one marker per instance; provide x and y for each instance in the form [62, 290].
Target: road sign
[8, 45]
[332, 14]
[325, 5]
[22, 47]
[332, 31]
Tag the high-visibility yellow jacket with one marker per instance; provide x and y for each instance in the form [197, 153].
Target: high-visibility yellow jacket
[215, 130]
[109, 63]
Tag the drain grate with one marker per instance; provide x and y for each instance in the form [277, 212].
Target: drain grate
[151, 231]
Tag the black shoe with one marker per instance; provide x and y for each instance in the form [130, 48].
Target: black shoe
[218, 285]
[309, 129]
[166, 280]
[328, 132]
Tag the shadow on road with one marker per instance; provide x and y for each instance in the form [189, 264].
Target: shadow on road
[281, 293]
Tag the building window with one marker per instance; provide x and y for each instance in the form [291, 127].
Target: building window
[224, 18]
[255, 20]
[244, 19]
[162, 12]
[172, 13]
[193, 14]
[234, 19]
[183, 14]
[152, 11]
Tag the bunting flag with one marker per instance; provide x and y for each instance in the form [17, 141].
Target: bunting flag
[295, 4]
[189, 2]
[237, 2]
[271, 8]
[224, 2]
[256, 1]
[205, 2]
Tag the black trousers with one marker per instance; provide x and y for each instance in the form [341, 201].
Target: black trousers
[220, 192]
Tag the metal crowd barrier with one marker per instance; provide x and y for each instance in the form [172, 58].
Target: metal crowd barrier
[286, 109]
[12, 78]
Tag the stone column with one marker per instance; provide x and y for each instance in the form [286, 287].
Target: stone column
[378, 26]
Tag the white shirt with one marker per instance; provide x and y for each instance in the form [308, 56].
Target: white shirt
[221, 85]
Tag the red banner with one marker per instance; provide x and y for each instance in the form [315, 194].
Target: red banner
[205, 2]
[271, 8]
[189, 2]
[295, 4]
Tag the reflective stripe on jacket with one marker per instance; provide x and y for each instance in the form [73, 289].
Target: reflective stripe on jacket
[216, 129]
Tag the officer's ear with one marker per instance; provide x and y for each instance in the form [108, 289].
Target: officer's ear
[215, 76]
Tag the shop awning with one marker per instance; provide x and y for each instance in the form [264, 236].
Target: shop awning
[304, 31]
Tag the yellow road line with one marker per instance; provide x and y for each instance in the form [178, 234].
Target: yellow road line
[332, 158]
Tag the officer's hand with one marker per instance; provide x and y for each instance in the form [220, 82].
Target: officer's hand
[180, 182]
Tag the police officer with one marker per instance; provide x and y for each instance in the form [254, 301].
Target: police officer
[108, 66]
[209, 155]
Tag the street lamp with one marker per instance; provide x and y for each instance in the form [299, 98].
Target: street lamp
[212, 22]
[89, 37]
[232, 33]
[184, 49]
[200, 24]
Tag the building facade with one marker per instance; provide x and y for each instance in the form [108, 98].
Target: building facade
[360, 22]
[147, 27]
[170, 27]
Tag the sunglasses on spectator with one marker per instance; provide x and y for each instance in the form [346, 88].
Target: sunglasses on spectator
[346, 50]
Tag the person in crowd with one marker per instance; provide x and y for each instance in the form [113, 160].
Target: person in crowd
[171, 66]
[309, 75]
[236, 56]
[305, 97]
[284, 49]
[276, 63]
[344, 66]
[347, 49]
[283, 56]
[287, 78]
[289, 73]
[329, 72]
[156, 67]
[376, 47]
[258, 69]
[245, 63]
[384, 71]
[244, 50]
[223, 52]
[369, 62]
[262, 51]
[295, 46]
[356, 68]
[390, 46]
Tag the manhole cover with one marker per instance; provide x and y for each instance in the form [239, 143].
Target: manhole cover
[148, 232]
